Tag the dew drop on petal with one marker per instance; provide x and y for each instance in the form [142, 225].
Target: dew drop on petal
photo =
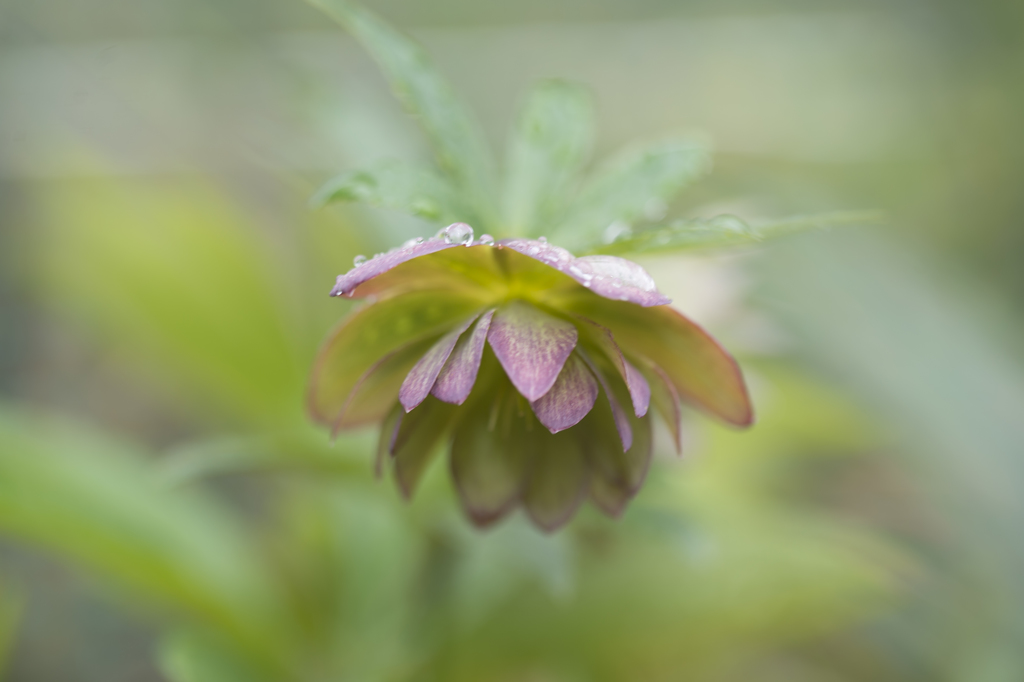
[359, 260]
[487, 240]
[542, 239]
[412, 242]
[457, 233]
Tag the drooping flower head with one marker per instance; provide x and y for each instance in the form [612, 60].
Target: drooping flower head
[536, 372]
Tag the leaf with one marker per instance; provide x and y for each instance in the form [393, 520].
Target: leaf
[640, 182]
[549, 146]
[92, 501]
[195, 656]
[395, 185]
[458, 144]
[727, 230]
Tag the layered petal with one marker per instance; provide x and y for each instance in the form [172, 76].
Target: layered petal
[458, 375]
[374, 393]
[617, 473]
[665, 399]
[601, 338]
[371, 333]
[619, 416]
[570, 399]
[700, 369]
[558, 480]
[415, 441]
[490, 453]
[608, 276]
[420, 379]
[531, 346]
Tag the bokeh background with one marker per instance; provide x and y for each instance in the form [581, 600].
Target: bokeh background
[167, 513]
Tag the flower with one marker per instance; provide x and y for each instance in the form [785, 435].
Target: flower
[535, 368]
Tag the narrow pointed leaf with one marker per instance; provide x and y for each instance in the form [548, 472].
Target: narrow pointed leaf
[551, 142]
[701, 370]
[395, 185]
[416, 442]
[372, 332]
[490, 457]
[558, 480]
[726, 231]
[631, 187]
[570, 399]
[420, 379]
[457, 377]
[460, 148]
[531, 345]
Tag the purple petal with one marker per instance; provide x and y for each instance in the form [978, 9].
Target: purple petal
[608, 276]
[570, 399]
[458, 375]
[639, 389]
[618, 414]
[383, 262]
[558, 480]
[617, 278]
[422, 376]
[531, 346]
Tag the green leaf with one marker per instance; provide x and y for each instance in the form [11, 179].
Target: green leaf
[549, 146]
[727, 230]
[396, 185]
[91, 500]
[638, 184]
[460, 148]
[195, 656]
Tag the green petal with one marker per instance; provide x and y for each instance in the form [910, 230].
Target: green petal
[665, 399]
[489, 456]
[387, 437]
[558, 479]
[375, 391]
[372, 332]
[617, 475]
[700, 369]
[416, 440]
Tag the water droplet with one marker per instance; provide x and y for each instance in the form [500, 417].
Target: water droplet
[412, 242]
[542, 239]
[359, 260]
[457, 233]
[617, 230]
[487, 240]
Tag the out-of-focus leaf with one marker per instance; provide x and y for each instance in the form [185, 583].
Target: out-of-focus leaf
[460, 148]
[551, 142]
[395, 185]
[175, 272]
[11, 605]
[305, 450]
[194, 656]
[639, 183]
[725, 230]
[91, 500]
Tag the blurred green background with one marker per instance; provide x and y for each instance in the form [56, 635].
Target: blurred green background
[166, 512]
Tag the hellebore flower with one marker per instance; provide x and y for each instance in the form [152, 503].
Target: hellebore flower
[535, 369]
